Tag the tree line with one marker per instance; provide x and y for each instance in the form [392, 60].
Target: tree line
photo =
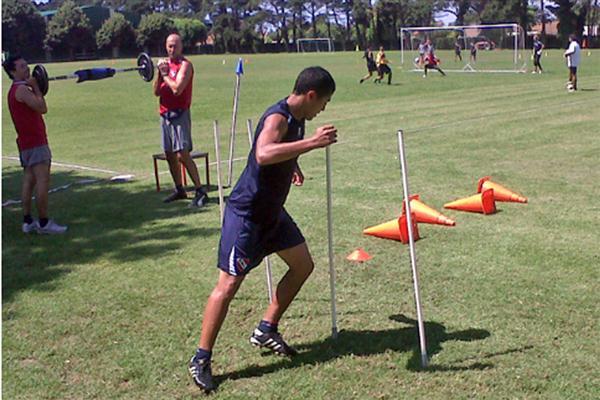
[261, 25]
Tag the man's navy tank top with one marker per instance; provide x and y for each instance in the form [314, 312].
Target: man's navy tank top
[261, 191]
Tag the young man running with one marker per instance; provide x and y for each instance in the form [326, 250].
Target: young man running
[382, 67]
[27, 105]
[256, 223]
[371, 66]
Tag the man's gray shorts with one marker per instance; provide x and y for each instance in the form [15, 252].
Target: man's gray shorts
[36, 155]
[176, 129]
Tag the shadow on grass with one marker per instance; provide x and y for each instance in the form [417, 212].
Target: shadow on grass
[368, 342]
[109, 221]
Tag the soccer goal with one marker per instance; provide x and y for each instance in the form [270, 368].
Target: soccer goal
[305, 45]
[470, 48]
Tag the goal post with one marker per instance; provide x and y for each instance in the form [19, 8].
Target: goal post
[306, 45]
[498, 47]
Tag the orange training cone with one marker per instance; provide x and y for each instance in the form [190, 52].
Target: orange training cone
[403, 222]
[426, 214]
[482, 203]
[500, 192]
[359, 255]
[396, 229]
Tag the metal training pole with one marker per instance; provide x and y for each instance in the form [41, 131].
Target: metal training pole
[267, 259]
[413, 258]
[218, 158]
[334, 329]
[239, 71]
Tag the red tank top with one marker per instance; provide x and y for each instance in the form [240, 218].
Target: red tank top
[168, 101]
[29, 124]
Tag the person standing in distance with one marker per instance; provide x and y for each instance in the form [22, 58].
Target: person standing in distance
[538, 46]
[473, 57]
[457, 51]
[27, 104]
[256, 223]
[173, 86]
[573, 55]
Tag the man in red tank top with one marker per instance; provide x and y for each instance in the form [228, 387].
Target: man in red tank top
[173, 86]
[27, 104]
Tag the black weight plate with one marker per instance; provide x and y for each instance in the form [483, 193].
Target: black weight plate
[147, 70]
[41, 76]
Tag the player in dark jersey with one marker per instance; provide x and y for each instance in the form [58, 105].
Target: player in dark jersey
[473, 52]
[538, 46]
[256, 223]
[457, 51]
[371, 66]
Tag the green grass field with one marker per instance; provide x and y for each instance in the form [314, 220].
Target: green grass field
[112, 309]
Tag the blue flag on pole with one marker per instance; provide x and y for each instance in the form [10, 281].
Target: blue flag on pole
[240, 67]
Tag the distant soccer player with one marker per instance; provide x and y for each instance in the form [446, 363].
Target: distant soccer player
[432, 62]
[26, 104]
[573, 55]
[371, 66]
[538, 46]
[256, 223]
[422, 51]
[383, 67]
[457, 51]
[473, 53]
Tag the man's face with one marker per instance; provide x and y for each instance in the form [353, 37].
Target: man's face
[21, 71]
[316, 104]
[174, 46]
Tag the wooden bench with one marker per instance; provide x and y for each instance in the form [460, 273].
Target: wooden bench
[194, 155]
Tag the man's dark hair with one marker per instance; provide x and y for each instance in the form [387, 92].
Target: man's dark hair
[317, 79]
[573, 37]
[9, 64]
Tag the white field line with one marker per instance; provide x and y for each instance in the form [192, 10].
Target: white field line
[88, 181]
[72, 166]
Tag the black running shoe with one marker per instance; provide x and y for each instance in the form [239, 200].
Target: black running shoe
[200, 199]
[272, 341]
[201, 374]
[176, 195]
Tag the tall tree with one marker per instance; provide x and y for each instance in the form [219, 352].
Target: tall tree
[23, 28]
[153, 30]
[362, 14]
[70, 29]
[191, 31]
[458, 8]
[571, 16]
[297, 10]
[115, 33]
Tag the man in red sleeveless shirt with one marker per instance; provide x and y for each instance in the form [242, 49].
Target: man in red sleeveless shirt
[173, 86]
[27, 104]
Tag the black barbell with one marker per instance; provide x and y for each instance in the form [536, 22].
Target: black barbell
[145, 67]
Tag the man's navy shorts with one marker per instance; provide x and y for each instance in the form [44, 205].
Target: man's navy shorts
[245, 243]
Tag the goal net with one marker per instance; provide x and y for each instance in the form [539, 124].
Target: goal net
[471, 48]
[305, 45]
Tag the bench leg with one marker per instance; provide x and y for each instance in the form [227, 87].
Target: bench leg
[156, 175]
[207, 174]
[183, 175]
